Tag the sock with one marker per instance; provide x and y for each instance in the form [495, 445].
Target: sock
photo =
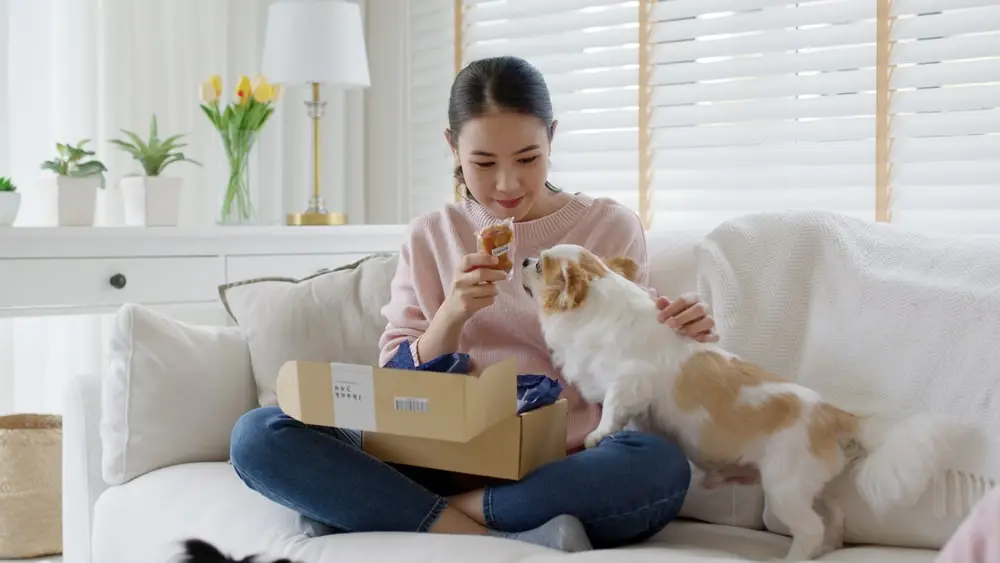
[565, 533]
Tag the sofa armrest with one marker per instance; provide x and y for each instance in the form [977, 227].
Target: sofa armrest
[81, 465]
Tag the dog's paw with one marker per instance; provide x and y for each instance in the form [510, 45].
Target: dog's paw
[594, 438]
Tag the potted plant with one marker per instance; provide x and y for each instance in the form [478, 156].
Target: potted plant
[151, 199]
[10, 202]
[72, 193]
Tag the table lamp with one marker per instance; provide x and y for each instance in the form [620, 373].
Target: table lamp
[315, 42]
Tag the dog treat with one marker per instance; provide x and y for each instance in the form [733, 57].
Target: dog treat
[498, 240]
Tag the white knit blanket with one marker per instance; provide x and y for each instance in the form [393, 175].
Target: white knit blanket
[877, 319]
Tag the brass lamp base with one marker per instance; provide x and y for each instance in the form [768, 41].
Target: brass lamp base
[316, 214]
[313, 218]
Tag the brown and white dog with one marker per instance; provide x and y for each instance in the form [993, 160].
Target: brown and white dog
[728, 415]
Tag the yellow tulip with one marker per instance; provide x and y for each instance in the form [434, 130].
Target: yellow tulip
[258, 81]
[279, 89]
[264, 93]
[244, 90]
[207, 92]
[216, 82]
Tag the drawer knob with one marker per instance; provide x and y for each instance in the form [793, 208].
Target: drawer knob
[118, 281]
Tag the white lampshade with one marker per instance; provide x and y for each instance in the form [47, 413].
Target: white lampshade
[315, 41]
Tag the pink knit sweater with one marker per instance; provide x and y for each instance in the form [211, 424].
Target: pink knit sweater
[431, 254]
[977, 539]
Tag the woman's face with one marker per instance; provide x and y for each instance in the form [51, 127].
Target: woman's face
[505, 161]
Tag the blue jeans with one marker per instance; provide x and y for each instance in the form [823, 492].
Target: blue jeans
[624, 491]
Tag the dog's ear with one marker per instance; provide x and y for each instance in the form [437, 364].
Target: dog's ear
[200, 551]
[624, 266]
[566, 284]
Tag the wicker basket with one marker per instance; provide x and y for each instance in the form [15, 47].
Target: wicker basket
[30, 486]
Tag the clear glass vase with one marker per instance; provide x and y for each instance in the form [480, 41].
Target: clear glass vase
[237, 205]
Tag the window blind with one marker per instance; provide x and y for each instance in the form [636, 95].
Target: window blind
[588, 52]
[945, 109]
[431, 71]
[870, 108]
[762, 105]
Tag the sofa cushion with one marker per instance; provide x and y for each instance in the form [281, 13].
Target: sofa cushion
[329, 316]
[157, 368]
[673, 271]
[147, 519]
[672, 257]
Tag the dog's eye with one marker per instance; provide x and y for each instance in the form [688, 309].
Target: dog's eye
[538, 267]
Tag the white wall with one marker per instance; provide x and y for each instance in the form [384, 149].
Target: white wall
[386, 116]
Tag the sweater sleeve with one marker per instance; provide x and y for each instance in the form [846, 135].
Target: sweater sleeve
[406, 319]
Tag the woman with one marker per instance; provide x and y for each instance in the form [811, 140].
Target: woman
[444, 299]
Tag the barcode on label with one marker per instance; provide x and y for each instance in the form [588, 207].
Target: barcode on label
[411, 404]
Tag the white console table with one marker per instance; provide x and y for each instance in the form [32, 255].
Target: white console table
[47, 271]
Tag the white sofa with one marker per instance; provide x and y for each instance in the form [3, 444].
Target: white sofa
[174, 492]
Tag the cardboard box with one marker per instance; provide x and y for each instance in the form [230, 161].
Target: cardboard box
[442, 406]
[509, 450]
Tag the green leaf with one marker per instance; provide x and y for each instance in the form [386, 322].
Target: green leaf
[127, 147]
[153, 133]
[90, 168]
[154, 164]
[213, 115]
[137, 141]
[169, 143]
[57, 166]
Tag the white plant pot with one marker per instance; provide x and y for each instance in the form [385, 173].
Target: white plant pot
[66, 201]
[10, 204]
[151, 201]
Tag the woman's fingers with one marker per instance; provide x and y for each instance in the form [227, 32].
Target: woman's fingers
[699, 327]
[691, 314]
[482, 275]
[681, 304]
[478, 260]
[481, 291]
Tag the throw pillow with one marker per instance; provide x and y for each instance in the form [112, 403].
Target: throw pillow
[334, 315]
[730, 505]
[673, 271]
[171, 393]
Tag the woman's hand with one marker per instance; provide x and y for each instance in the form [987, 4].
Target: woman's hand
[474, 287]
[472, 290]
[689, 316]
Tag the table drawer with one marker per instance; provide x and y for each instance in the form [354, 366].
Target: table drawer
[240, 268]
[83, 282]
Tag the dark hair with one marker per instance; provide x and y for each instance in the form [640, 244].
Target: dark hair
[498, 83]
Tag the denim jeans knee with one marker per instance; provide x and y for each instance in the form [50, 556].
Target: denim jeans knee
[249, 437]
[663, 482]
[624, 491]
[321, 473]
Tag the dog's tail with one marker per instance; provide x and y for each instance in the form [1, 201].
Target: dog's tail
[902, 458]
